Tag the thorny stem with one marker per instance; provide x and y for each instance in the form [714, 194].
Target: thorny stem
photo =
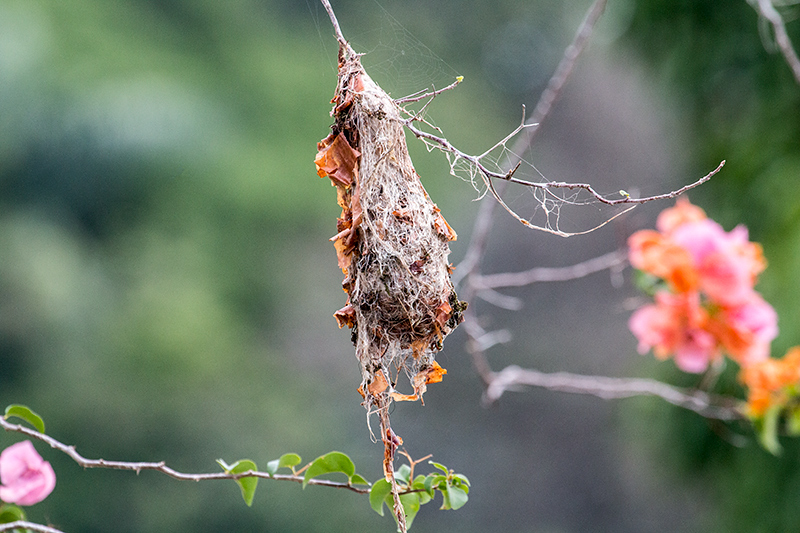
[512, 377]
[162, 467]
[487, 174]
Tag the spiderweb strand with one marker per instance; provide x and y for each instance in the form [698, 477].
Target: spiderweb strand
[477, 162]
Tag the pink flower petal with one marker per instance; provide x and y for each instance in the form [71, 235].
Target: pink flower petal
[26, 478]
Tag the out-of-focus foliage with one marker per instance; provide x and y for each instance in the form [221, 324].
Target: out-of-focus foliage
[166, 283]
[743, 106]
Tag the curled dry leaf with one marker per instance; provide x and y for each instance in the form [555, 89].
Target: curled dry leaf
[336, 159]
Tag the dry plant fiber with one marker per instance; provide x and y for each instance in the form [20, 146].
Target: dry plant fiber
[392, 242]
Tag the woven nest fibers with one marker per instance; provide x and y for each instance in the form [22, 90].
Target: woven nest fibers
[392, 241]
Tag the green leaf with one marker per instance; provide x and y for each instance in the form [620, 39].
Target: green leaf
[377, 494]
[355, 479]
[457, 497]
[246, 484]
[289, 460]
[402, 474]
[410, 503]
[424, 497]
[329, 463]
[647, 283]
[793, 422]
[462, 478]
[432, 482]
[10, 513]
[767, 430]
[20, 411]
[440, 467]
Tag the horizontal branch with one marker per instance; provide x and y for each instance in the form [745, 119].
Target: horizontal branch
[163, 468]
[546, 274]
[607, 388]
[30, 526]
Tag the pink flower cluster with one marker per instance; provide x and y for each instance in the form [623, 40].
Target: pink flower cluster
[26, 478]
[709, 305]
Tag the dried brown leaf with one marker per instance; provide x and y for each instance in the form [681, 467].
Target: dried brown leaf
[337, 160]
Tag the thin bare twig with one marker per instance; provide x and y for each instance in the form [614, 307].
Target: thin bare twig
[477, 162]
[709, 406]
[541, 274]
[162, 467]
[335, 22]
[480, 339]
[30, 526]
[767, 10]
[423, 94]
[483, 222]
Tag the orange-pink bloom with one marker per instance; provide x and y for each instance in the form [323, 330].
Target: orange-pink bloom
[727, 264]
[771, 382]
[676, 325]
[711, 305]
[683, 212]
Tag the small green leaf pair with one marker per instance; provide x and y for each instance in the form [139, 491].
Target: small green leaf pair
[25, 413]
[333, 462]
[247, 484]
[381, 493]
[287, 460]
[421, 490]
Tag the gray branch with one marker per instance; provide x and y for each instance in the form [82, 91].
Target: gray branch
[767, 10]
[607, 388]
[545, 274]
[30, 526]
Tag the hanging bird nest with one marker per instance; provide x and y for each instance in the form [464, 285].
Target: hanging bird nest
[391, 242]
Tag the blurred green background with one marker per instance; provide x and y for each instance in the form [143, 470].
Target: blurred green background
[167, 284]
